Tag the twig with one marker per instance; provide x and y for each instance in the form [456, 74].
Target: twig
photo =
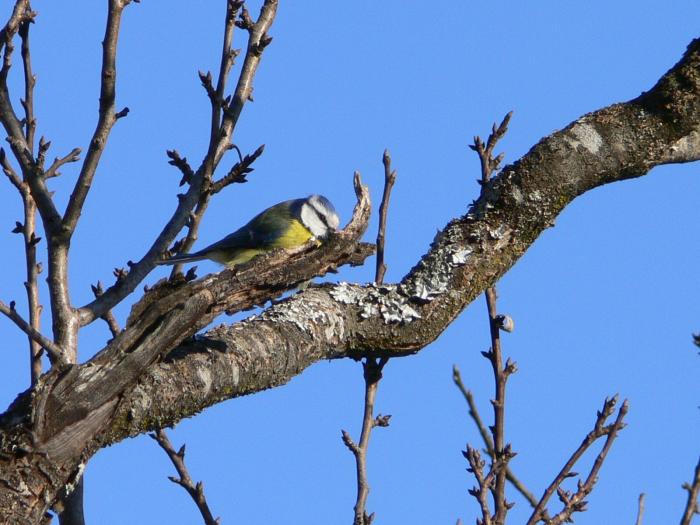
[108, 318]
[257, 42]
[389, 179]
[486, 437]
[372, 373]
[228, 55]
[73, 156]
[196, 491]
[489, 164]
[28, 230]
[21, 13]
[181, 164]
[576, 502]
[53, 350]
[107, 116]
[640, 508]
[501, 374]
[481, 491]
[29, 82]
[692, 507]
[237, 174]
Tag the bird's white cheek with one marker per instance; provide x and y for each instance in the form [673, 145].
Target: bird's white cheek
[311, 220]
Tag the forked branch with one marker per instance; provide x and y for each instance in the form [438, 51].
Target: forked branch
[195, 490]
[486, 437]
[575, 502]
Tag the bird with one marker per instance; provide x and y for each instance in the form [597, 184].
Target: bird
[285, 225]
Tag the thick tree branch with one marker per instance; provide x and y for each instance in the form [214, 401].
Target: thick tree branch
[334, 321]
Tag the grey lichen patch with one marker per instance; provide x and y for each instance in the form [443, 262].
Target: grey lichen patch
[373, 301]
[433, 275]
[304, 314]
[535, 196]
[430, 279]
[517, 195]
[585, 135]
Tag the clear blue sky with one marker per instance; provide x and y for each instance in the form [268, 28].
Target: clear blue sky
[605, 302]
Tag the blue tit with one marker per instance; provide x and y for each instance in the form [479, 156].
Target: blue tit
[284, 225]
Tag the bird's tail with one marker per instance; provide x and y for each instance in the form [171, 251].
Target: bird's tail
[188, 257]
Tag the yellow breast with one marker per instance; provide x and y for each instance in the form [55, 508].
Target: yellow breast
[295, 235]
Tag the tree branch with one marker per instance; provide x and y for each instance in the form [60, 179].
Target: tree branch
[372, 369]
[576, 502]
[640, 509]
[106, 119]
[692, 507]
[187, 202]
[615, 143]
[486, 437]
[196, 491]
[45, 343]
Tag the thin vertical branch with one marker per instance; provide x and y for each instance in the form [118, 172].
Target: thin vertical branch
[640, 509]
[107, 115]
[692, 506]
[389, 180]
[257, 42]
[216, 97]
[501, 452]
[29, 82]
[501, 373]
[31, 285]
[29, 230]
[228, 55]
[372, 373]
[195, 490]
[372, 368]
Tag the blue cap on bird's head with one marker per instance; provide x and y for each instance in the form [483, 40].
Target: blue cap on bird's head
[319, 216]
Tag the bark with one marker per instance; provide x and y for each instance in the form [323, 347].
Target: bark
[155, 373]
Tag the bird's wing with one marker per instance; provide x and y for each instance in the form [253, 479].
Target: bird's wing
[260, 232]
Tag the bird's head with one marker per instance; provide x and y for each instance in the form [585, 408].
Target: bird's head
[319, 216]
